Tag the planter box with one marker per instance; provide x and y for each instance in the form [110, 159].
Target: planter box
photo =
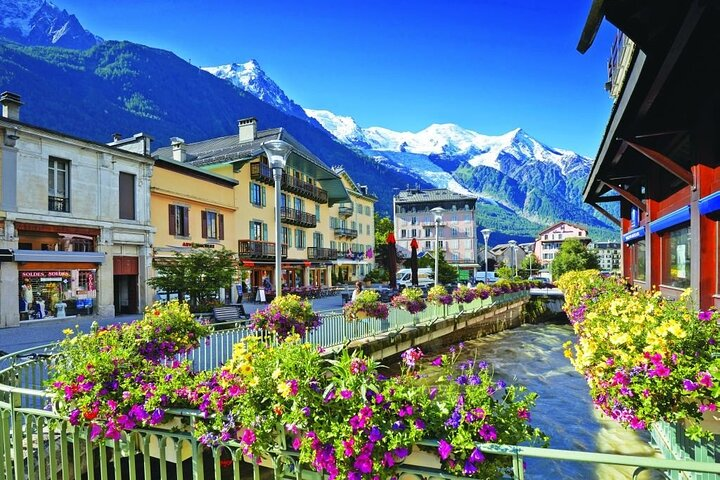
[674, 444]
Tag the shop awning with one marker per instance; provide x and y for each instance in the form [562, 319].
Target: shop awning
[670, 220]
[248, 263]
[58, 257]
[6, 255]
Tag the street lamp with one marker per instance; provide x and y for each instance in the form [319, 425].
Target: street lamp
[437, 211]
[486, 236]
[513, 244]
[277, 152]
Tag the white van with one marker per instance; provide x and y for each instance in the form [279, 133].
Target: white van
[491, 278]
[425, 277]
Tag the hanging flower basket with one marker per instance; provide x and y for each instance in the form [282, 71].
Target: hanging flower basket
[366, 305]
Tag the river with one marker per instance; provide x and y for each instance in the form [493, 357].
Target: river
[532, 355]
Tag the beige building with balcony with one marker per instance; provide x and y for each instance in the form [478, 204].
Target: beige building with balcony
[550, 240]
[75, 228]
[457, 234]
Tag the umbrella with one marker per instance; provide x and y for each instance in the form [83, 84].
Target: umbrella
[392, 260]
[414, 263]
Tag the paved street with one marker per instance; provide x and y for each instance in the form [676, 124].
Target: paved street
[31, 334]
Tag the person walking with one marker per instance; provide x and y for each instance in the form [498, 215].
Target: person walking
[356, 292]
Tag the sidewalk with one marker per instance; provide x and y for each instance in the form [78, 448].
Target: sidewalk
[33, 334]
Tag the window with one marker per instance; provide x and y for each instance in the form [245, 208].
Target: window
[258, 231]
[299, 238]
[317, 240]
[127, 196]
[317, 213]
[333, 245]
[179, 223]
[638, 265]
[428, 232]
[414, 233]
[413, 220]
[454, 232]
[676, 258]
[367, 210]
[213, 225]
[403, 233]
[257, 195]
[286, 237]
[299, 204]
[58, 185]
[428, 245]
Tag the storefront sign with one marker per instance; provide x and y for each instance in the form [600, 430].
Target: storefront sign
[198, 245]
[44, 274]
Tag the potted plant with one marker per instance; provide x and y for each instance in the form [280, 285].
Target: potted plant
[646, 358]
[125, 376]
[286, 315]
[410, 299]
[438, 295]
[464, 294]
[366, 304]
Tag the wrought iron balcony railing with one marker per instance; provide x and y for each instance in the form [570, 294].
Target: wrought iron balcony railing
[319, 253]
[58, 204]
[263, 173]
[346, 232]
[297, 217]
[256, 249]
[345, 211]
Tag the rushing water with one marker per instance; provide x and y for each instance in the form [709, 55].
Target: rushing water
[532, 355]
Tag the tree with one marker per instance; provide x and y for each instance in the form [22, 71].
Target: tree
[529, 264]
[446, 272]
[505, 272]
[383, 226]
[573, 255]
[199, 274]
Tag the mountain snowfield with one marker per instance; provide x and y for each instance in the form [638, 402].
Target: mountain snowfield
[40, 22]
[533, 184]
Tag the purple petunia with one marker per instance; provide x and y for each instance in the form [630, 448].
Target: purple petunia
[444, 449]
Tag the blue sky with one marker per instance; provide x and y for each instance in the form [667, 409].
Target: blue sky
[486, 65]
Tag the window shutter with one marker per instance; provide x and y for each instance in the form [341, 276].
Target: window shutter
[221, 226]
[264, 199]
[250, 189]
[171, 216]
[265, 232]
[186, 221]
[251, 235]
[203, 223]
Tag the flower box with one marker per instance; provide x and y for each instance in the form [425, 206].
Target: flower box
[177, 449]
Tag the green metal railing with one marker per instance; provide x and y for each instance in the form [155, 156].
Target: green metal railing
[36, 443]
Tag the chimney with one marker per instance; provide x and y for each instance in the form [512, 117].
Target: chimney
[116, 137]
[247, 128]
[10, 105]
[178, 149]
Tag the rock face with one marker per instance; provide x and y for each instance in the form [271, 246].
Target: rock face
[38, 22]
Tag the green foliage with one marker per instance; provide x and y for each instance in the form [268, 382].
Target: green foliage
[446, 272]
[366, 304]
[198, 273]
[529, 264]
[377, 275]
[573, 255]
[505, 272]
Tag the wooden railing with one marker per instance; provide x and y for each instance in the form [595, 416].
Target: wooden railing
[258, 249]
[263, 173]
[298, 217]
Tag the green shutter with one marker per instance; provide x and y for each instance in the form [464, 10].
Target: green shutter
[250, 230]
[265, 232]
[264, 200]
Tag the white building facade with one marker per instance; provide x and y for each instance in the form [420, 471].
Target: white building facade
[74, 222]
[550, 240]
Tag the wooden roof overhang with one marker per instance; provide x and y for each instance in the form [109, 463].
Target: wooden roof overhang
[671, 86]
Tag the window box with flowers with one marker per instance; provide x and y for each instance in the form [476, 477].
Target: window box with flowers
[286, 315]
[366, 304]
[410, 300]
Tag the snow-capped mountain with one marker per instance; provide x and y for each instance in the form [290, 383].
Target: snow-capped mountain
[40, 22]
[250, 77]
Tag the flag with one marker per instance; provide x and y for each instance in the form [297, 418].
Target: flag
[369, 253]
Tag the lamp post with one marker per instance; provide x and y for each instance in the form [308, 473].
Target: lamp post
[277, 152]
[513, 244]
[437, 211]
[486, 236]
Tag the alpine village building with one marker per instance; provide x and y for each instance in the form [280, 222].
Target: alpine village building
[82, 223]
[660, 155]
[549, 241]
[457, 236]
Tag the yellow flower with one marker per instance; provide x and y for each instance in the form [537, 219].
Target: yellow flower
[276, 374]
[283, 389]
[620, 338]
[246, 369]
[68, 331]
[675, 328]
[254, 381]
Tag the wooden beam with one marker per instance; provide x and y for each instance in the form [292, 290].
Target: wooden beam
[606, 214]
[664, 162]
[628, 196]
[684, 33]
[609, 198]
[592, 25]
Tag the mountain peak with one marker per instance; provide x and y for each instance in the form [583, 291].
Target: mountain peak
[40, 22]
[250, 77]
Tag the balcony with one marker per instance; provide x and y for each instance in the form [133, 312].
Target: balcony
[345, 211]
[316, 253]
[297, 217]
[262, 173]
[58, 204]
[256, 249]
[346, 232]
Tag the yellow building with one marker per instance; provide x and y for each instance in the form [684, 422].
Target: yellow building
[309, 189]
[351, 227]
[190, 208]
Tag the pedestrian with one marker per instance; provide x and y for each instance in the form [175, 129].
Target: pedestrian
[356, 292]
[267, 285]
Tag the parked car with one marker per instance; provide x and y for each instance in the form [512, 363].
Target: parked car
[491, 278]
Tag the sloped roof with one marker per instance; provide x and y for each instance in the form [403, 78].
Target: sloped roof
[430, 195]
[222, 150]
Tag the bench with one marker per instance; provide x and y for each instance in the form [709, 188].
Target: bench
[232, 313]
